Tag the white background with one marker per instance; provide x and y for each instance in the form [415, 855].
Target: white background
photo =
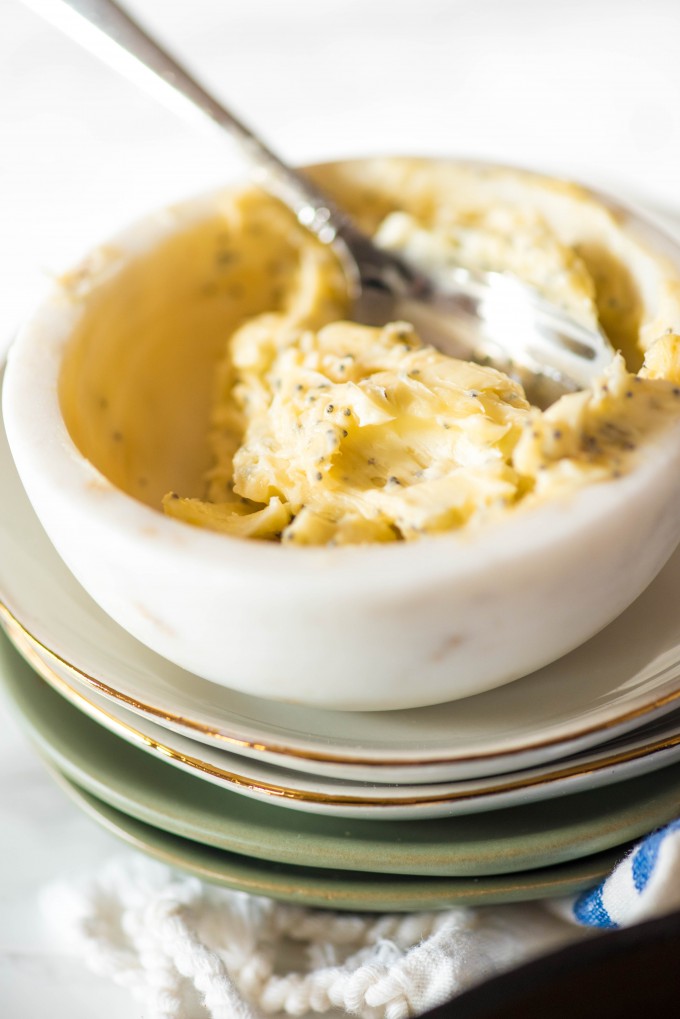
[586, 88]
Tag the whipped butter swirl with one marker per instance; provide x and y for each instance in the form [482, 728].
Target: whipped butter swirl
[328, 432]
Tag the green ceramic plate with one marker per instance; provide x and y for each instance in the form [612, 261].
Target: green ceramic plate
[499, 842]
[340, 889]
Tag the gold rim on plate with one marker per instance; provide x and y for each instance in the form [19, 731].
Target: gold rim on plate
[12, 625]
[32, 650]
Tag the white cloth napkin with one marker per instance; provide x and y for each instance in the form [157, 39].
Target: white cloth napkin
[189, 950]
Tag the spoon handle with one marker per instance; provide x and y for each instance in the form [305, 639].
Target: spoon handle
[108, 32]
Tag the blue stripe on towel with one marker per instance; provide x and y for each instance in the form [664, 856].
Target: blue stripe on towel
[589, 907]
[590, 911]
[645, 856]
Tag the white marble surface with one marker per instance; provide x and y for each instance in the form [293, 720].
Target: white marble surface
[586, 87]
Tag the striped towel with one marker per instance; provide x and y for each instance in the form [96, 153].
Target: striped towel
[645, 884]
[188, 950]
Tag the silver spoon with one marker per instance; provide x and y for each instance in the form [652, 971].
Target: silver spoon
[489, 317]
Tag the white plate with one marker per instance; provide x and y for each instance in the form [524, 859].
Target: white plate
[646, 750]
[625, 676]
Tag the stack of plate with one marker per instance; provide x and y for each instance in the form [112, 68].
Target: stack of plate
[526, 791]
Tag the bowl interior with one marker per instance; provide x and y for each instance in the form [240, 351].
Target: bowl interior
[138, 371]
[156, 309]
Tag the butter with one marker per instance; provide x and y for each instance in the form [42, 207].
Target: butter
[328, 432]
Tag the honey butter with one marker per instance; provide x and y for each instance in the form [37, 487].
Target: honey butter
[328, 432]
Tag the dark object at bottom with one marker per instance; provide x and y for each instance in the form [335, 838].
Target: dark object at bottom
[623, 974]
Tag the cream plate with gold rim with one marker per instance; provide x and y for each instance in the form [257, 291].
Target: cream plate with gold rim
[530, 835]
[649, 749]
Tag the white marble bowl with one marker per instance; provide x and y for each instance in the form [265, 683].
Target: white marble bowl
[364, 627]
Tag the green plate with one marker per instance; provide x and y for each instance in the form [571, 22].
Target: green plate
[340, 889]
[500, 842]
